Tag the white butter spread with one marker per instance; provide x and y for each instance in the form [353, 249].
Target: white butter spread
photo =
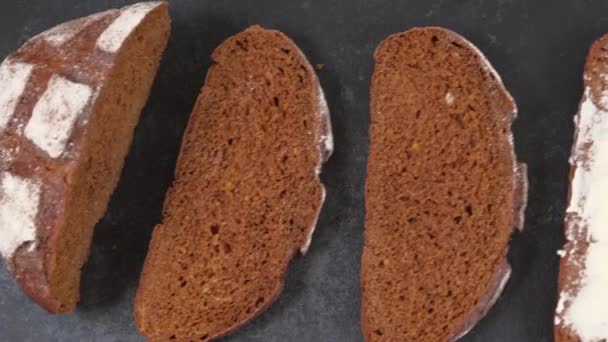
[587, 312]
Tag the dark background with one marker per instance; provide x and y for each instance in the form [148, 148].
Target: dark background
[538, 47]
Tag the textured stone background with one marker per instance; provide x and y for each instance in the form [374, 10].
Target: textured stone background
[538, 47]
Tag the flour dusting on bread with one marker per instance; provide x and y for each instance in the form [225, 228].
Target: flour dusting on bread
[19, 201]
[13, 79]
[130, 17]
[64, 33]
[55, 113]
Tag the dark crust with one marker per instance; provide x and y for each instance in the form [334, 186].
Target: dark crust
[595, 67]
[325, 154]
[520, 179]
[31, 269]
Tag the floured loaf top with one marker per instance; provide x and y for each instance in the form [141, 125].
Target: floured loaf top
[59, 95]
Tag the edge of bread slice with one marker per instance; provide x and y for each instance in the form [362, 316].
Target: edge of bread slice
[70, 98]
[444, 190]
[246, 196]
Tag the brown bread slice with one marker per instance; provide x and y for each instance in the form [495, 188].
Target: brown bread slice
[582, 310]
[444, 189]
[69, 101]
[246, 195]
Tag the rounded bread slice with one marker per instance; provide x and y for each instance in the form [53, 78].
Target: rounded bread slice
[246, 195]
[444, 190]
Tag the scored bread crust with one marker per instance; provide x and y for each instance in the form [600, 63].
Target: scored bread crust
[69, 71]
[519, 191]
[324, 145]
[575, 250]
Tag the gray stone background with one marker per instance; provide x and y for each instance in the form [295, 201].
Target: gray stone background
[538, 47]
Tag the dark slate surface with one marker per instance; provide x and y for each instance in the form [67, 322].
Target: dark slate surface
[538, 47]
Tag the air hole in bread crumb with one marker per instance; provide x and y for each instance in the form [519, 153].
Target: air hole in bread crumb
[469, 210]
[259, 301]
[434, 40]
[378, 332]
[215, 229]
[458, 45]
[206, 336]
[276, 101]
[227, 248]
[173, 337]
[230, 141]
[243, 44]
[286, 51]
[457, 219]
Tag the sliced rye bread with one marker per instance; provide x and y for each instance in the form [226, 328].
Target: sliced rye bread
[246, 195]
[444, 190]
[70, 99]
[582, 310]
